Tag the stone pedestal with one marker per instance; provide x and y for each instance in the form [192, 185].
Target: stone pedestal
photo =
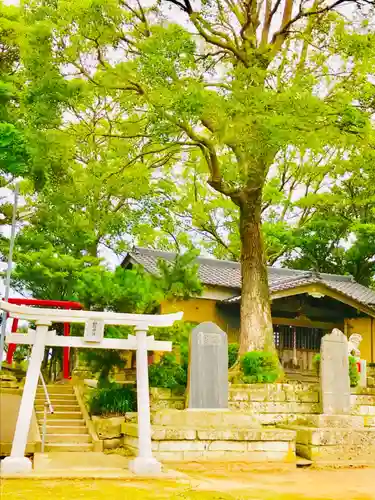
[335, 439]
[16, 465]
[335, 421]
[335, 436]
[212, 435]
[145, 466]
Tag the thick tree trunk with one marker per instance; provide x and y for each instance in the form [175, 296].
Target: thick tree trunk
[256, 320]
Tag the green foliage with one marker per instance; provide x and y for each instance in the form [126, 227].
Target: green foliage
[103, 362]
[353, 372]
[13, 154]
[113, 400]
[167, 374]
[259, 367]
[353, 369]
[141, 127]
[21, 353]
[316, 362]
[232, 354]
[343, 214]
[179, 334]
[180, 278]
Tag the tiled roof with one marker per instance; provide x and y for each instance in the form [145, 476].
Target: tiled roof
[227, 274]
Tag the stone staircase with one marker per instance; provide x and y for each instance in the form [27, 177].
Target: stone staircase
[66, 428]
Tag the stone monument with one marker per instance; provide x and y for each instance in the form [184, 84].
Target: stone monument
[334, 374]
[208, 368]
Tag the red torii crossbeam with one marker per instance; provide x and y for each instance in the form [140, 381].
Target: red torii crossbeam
[61, 304]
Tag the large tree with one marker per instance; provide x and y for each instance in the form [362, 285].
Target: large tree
[240, 86]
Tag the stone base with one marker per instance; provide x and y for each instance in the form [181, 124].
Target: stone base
[335, 438]
[335, 421]
[179, 443]
[194, 418]
[16, 465]
[145, 466]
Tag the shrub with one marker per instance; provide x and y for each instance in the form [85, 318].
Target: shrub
[114, 400]
[232, 354]
[316, 363]
[259, 367]
[167, 374]
[353, 369]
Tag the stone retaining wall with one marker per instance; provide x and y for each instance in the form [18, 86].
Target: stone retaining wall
[267, 404]
[276, 403]
[213, 435]
[162, 399]
[109, 430]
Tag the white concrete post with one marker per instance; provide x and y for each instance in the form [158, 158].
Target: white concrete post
[17, 462]
[144, 463]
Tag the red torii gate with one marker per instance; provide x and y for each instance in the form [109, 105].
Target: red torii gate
[62, 304]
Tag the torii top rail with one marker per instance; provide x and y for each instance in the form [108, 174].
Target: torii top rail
[139, 321]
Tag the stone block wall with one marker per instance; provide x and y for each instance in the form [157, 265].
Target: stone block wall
[181, 443]
[109, 430]
[276, 403]
[371, 375]
[162, 399]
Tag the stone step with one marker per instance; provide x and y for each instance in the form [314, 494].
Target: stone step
[208, 418]
[59, 407]
[369, 421]
[74, 447]
[65, 429]
[282, 418]
[363, 410]
[336, 444]
[363, 391]
[268, 393]
[257, 407]
[57, 389]
[60, 415]
[362, 399]
[68, 438]
[56, 398]
[71, 422]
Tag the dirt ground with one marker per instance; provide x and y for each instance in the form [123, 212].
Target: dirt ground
[216, 482]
